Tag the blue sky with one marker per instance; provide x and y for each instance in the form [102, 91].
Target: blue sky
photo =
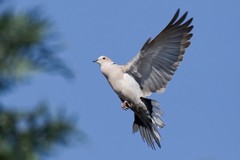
[201, 103]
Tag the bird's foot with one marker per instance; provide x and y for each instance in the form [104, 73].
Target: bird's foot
[125, 105]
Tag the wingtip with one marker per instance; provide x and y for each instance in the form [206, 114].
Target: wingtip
[178, 11]
[176, 14]
[175, 17]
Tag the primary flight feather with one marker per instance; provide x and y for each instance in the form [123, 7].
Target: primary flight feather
[149, 71]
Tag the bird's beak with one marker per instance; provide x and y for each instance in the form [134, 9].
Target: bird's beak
[94, 61]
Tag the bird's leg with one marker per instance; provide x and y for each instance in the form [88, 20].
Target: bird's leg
[125, 105]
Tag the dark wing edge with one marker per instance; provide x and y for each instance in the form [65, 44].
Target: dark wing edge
[174, 23]
[166, 51]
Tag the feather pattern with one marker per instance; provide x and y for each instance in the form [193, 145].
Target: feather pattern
[157, 61]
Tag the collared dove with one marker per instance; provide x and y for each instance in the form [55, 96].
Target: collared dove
[149, 71]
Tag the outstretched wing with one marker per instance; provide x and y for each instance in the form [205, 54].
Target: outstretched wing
[159, 58]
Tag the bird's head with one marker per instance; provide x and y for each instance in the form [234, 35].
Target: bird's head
[103, 60]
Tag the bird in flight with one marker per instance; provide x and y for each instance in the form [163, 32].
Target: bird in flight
[149, 71]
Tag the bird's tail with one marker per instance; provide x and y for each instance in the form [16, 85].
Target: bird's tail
[149, 123]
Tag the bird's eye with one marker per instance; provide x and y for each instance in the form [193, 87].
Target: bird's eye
[104, 58]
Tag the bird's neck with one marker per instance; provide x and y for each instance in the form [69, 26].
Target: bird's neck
[110, 69]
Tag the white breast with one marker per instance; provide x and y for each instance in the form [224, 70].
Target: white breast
[122, 83]
[130, 89]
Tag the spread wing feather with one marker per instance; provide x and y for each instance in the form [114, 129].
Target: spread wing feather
[158, 59]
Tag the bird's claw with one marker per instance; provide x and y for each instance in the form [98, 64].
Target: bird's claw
[125, 105]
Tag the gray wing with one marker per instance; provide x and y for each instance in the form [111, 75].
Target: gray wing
[159, 58]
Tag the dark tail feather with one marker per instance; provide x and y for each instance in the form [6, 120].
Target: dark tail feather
[154, 110]
[148, 124]
[145, 131]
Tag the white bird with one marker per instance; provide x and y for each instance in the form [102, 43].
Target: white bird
[148, 72]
